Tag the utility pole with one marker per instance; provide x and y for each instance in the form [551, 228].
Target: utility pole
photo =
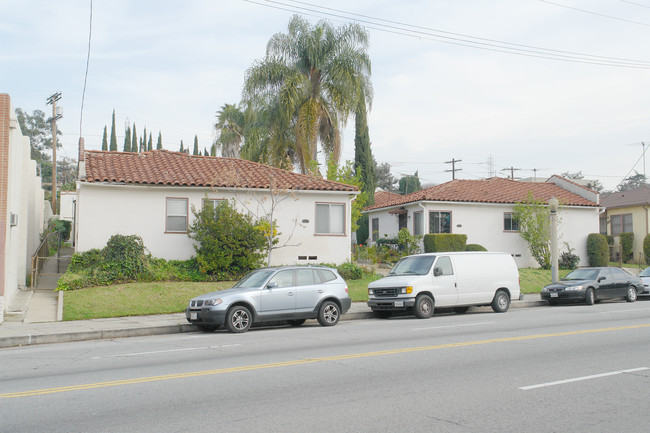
[512, 171]
[55, 116]
[453, 167]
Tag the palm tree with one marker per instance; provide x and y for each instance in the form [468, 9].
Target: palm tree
[308, 85]
[230, 130]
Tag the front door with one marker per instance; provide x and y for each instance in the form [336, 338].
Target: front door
[444, 282]
[281, 298]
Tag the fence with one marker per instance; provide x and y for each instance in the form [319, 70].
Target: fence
[43, 253]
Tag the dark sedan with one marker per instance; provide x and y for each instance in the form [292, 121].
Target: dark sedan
[592, 285]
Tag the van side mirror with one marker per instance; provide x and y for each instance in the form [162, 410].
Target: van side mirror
[437, 272]
[272, 285]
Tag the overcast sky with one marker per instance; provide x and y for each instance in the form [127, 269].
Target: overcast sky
[444, 86]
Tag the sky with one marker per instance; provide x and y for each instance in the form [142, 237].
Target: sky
[544, 87]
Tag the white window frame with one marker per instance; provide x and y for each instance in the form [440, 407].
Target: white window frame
[330, 206]
[168, 214]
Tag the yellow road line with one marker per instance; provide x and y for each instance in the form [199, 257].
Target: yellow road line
[310, 361]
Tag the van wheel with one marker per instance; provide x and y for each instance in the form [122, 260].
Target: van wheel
[460, 310]
[423, 308]
[501, 302]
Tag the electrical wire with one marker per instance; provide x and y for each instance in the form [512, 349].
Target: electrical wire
[595, 13]
[83, 93]
[636, 4]
[454, 38]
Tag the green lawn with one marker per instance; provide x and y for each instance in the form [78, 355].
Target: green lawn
[137, 299]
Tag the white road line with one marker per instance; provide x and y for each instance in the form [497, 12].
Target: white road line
[577, 379]
[452, 326]
[624, 311]
[164, 351]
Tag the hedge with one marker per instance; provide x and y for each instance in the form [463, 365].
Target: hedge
[646, 248]
[475, 247]
[443, 242]
[627, 241]
[597, 250]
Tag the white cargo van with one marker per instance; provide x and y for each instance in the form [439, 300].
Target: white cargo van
[455, 280]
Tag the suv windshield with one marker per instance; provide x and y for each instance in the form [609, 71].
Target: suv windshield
[582, 274]
[415, 265]
[254, 279]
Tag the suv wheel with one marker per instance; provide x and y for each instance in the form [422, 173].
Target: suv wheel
[329, 314]
[423, 308]
[239, 319]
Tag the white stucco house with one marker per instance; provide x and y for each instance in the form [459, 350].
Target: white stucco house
[152, 194]
[483, 210]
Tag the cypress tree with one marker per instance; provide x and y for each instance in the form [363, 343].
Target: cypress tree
[113, 135]
[143, 142]
[196, 146]
[213, 150]
[104, 141]
[159, 145]
[127, 139]
[363, 164]
[181, 149]
[150, 144]
[134, 140]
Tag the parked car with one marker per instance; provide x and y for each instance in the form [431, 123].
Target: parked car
[593, 285]
[291, 293]
[645, 279]
[457, 280]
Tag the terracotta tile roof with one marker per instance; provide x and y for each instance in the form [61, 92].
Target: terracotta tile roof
[385, 198]
[163, 167]
[493, 190]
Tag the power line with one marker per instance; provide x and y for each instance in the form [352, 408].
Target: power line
[83, 94]
[636, 4]
[457, 38]
[595, 13]
[453, 167]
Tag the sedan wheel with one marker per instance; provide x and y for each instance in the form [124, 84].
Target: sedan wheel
[590, 297]
[631, 294]
[239, 319]
[329, 314]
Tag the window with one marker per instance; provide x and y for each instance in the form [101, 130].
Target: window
[212, 201]
[510, 224]
[304, 277]
[176, 215]
[621, 224]
[603, 225]
[375, 229]
[443, 266]
[330, 218]
[283, 278]
[439, 222]
[417, 223]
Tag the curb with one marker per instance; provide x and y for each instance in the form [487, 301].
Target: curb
[142, 331]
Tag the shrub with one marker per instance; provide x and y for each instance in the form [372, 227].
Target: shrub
[86, 260]
[125, 257]
[62, 226]
[350, 271]
[610, 239]
[627, 241]
[646, 248]
[568, 260]
[443, 242]
[229, 244]
[408, 243]
[597, 250]
[475, 247]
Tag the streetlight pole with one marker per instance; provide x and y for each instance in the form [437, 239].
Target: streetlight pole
[553, 205]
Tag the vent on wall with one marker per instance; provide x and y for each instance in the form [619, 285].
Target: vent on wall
[13, 219]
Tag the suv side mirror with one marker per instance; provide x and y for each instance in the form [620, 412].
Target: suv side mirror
[272, 285]
[437, 272]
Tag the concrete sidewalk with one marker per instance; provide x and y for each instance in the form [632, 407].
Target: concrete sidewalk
[26, 333]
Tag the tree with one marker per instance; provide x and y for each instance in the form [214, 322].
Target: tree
[39, 132]
[533, 217]
[159, 145]
[127, 139]
[385, 179]
[345, 174]
[143, 141]
[230, 130]
[113, 146]
[308, 84]
[409, 184]
[229, 242]
[592, 184]
[196, 146]
[364, 165]
[134, 141]
[105, 140]
[181, 149]
[636, 181]
[150, 143]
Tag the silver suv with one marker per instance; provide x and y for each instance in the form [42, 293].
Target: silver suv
[291, 293]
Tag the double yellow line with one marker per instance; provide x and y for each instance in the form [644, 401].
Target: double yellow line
[309, 361]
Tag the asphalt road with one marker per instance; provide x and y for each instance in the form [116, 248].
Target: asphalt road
[550, 369]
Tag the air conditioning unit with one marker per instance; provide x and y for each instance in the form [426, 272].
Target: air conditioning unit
[13, 219]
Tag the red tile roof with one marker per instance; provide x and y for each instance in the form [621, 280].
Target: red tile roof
[162, 167]
[493, 190]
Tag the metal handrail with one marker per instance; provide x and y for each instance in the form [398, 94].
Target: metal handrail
[43, 251]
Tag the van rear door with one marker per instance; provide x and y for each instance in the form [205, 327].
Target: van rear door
[445, 285]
